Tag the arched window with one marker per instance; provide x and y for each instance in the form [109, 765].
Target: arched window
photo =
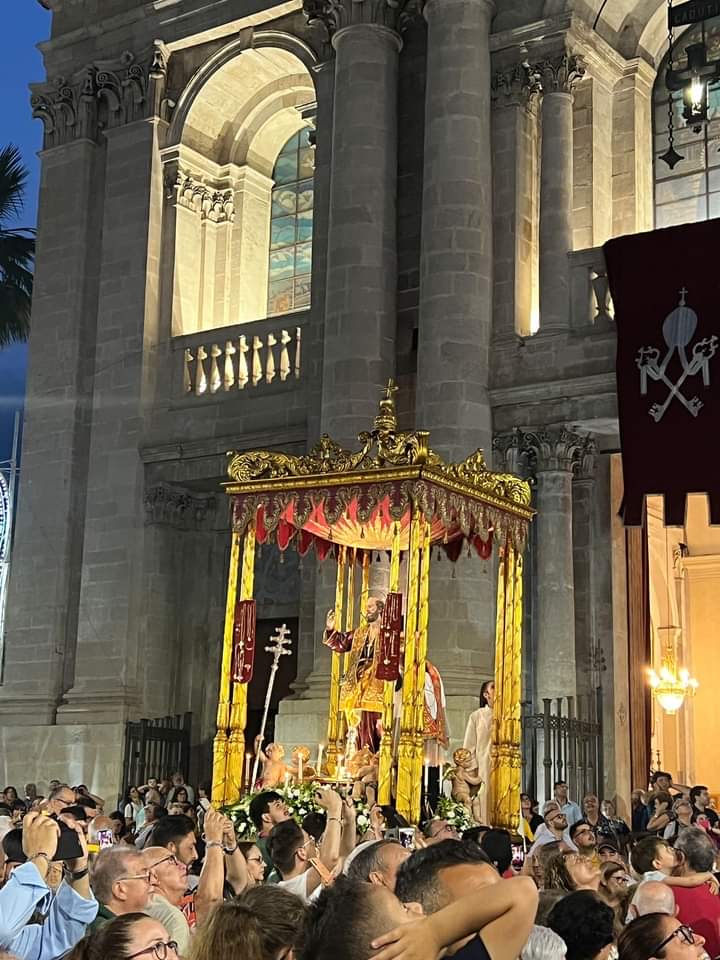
[291, 224]
[691, 191]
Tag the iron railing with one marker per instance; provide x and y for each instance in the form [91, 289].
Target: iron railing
[156, 748]
[564, 742]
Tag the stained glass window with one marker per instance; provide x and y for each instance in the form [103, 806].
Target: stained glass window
[691, 191]
[291, 225]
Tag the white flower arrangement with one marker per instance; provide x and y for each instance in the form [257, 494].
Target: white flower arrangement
[455, 813]
[300, 801]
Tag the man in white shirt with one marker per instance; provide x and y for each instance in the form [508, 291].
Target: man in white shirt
[553, 829]
[303, 863]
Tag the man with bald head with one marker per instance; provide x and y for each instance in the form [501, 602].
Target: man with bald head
[652, 896]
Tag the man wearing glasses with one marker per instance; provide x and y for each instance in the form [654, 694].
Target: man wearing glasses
[553, 829]
[697, 906]
[170, 883]
[121, 883]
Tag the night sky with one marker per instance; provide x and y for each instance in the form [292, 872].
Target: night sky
[20, 64]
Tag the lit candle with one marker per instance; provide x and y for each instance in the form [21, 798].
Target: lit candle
[300, 768]
[321, 747]
[248, 761]
[426, 776]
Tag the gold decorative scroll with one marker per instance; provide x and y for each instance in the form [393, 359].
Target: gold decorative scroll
[505, 757]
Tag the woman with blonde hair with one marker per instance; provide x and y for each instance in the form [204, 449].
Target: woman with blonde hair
[264, 923]
[616, 888]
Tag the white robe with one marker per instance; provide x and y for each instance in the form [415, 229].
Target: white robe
[478, 734]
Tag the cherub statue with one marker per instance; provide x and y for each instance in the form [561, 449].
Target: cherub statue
[273, 769]
[465, 785]
[363, 768]
[299, 766]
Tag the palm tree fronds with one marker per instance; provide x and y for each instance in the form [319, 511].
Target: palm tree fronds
[14, 313]
[13, 179]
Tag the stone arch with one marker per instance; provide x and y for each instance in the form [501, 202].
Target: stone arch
[233, 117]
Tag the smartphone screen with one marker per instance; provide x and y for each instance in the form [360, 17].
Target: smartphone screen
[406, 836]
[518, 856]
[104, 838]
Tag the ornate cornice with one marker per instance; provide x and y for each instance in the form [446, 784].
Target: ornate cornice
[103, 95]
[166, 505]
[546, 450]
[337, 14]
[515, 85]
[559, 74]
[217, 205]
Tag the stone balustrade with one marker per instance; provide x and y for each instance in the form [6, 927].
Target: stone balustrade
[590, 301]
[235, 358]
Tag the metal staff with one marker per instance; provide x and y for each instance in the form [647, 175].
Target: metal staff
[279, 647]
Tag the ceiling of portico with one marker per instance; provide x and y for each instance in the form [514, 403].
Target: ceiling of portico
[235, 105]
[633, 27]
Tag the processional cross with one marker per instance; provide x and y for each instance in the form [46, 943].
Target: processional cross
[279, 646]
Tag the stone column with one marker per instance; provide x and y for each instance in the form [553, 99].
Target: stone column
[584, 568]
[515, 203]
[360, 307]
[455, 317]
[456, 248]
[554, 454]
[632, 151]
[42, 610]
[556, 190]
[111, 644]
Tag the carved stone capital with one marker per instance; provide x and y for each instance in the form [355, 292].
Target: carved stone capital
[515, 85]
[102, 95]
[170, 506]
[543, 450]
[559, 74]
[556, 449]
[208, 202]
[337, 14]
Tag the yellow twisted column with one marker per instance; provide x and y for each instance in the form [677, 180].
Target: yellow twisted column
[420, 658]
[388, 717]
[407, 746]
[334, 731]
[220, 743]
[506, 757]
[238, 708]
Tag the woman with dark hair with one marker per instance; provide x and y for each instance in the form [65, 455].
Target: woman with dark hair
[586, 925]
[657, 936]
[570, 871]
[478, 734]
[531, 819]
[264, 923]
[133, 936]
[254, 861]
[616, 887]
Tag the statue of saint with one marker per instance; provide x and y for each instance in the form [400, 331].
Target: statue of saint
[361, 692]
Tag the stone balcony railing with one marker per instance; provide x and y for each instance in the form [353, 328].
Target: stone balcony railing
[228, 359]
[590, 301]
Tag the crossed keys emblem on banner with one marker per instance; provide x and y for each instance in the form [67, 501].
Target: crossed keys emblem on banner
[678, 330]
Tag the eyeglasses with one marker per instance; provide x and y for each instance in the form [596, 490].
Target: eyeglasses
[171, 859]
[158, 950]
[585, 832]
[685, 933]
[147, 877]
[255, 860]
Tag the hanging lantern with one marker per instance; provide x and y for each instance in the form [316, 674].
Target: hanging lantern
[671, 685]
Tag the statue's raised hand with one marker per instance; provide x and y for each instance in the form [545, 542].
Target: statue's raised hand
[330, 620]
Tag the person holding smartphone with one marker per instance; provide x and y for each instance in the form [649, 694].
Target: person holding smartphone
[67, 913]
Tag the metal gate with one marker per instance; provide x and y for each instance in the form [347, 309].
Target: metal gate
[156, 748]
[564, 745]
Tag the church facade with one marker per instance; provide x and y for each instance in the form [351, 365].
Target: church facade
[251, 217]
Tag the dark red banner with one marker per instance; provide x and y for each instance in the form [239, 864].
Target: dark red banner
[243, 641]
[665, 287]
[390, 630]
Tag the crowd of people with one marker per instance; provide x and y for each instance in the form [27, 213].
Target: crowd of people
[164, 876]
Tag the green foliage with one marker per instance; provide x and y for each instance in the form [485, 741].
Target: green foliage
[455, 813]
[17, 250]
